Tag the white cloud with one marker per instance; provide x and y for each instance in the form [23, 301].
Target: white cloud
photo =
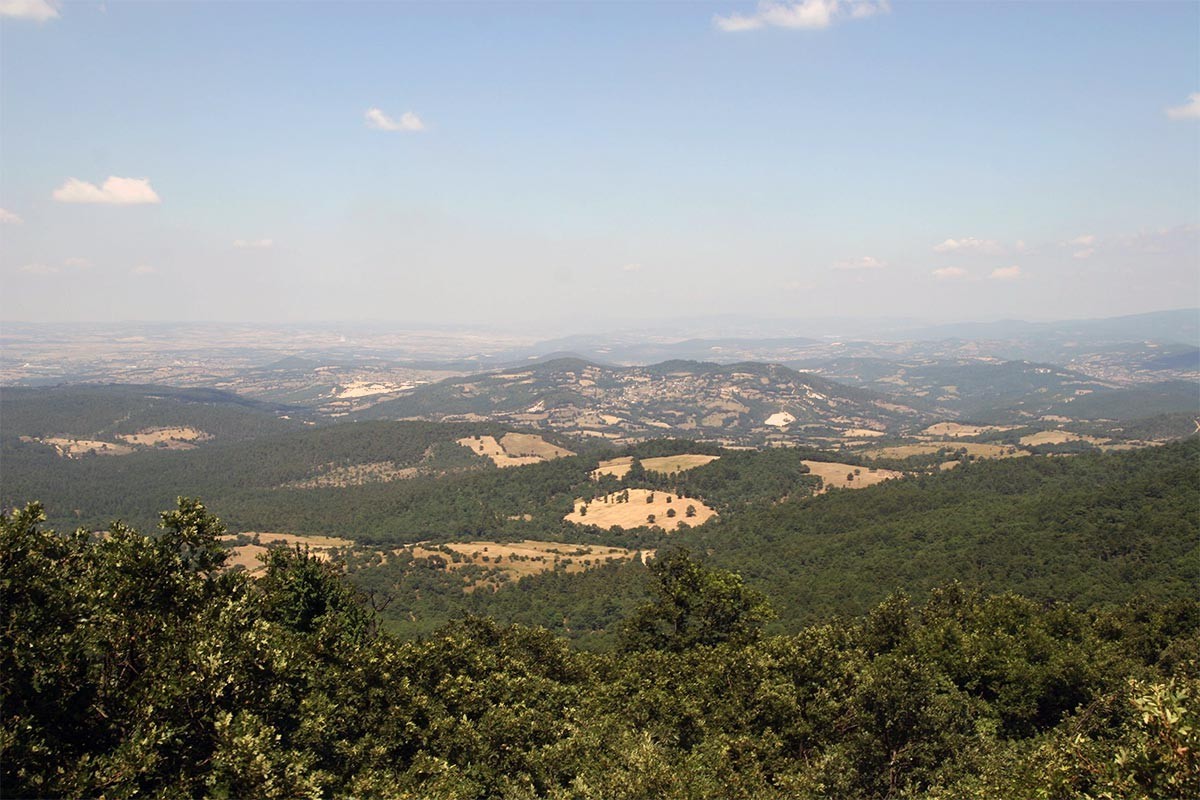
[801, 15]
[77, 263]
[632, 268]
[1086, 240]
[36, 10]
[380, 121]
[1189, 110]
[115, 191]
[1006, 273]
[949, 272]
[865, 262]
[253, 244]
[143, 269]
[9, 218]
[1086, 252]
[40, 269]
[967, 243]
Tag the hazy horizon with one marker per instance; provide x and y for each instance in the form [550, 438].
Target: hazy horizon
[575, 168]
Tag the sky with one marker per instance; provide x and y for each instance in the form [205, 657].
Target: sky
[580, 165]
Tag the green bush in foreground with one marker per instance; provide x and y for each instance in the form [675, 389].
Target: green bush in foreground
[136, 666]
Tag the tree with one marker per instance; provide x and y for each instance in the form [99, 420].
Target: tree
[690, 511]
[694, 606]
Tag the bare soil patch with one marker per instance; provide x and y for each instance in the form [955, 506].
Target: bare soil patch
[955, 430]
[1058, 437]
[70, 447]
[521, 559]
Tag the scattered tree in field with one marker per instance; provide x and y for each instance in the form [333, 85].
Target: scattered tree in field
[690, 512]
[670, 513]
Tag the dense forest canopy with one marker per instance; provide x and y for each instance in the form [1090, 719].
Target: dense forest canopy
[134, 665]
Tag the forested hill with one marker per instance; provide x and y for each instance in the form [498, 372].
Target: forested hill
[134, 666]
[1094, 529]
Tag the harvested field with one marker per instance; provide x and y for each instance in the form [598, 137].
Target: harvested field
[976, 449]
[522, 559]
[862, 433]
[514, 449]
[955, 430]
[69, 447]
[607, 512]
[1058, 437]
[848, 476]
[172, 438]
[246, 555]
[619, 467]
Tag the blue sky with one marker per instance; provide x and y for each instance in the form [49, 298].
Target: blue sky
[597, 164]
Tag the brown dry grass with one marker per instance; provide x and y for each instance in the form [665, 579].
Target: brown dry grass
[1058, 437]
[606, 512]
[529, 557]
[618, 467]
[246, 555]
[955, 430]
[842, 476]
[514, 449]
[179, 438]
[69, 447]
[977, 449]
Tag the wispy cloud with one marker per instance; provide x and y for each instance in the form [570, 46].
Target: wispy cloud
[9, 218]
[36, 10]
[864, 262]
[801, 15]
[143, 269]
[115, 191]
[253, 244]
[632, 268]
[1086, 240]
[380, 121]
[949, 272]
[77, 263]
[1006, 273]
[967, 243]
[41, 268]
[1086, 252]
[1189, 110]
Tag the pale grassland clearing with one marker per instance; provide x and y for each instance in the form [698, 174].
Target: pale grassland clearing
[1058, 437]
[617, 467]
[848, 476]
[514, 449]
[369, 388]
[612, 511]
[780, 419]
[976, 449]
[246, 555]
[179, 438]
[521, 559]
[620, 466]
[955, 430]
[681, 463]
[861, 433]
[70, 447]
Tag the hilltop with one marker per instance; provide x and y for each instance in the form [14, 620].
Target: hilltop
[746, 403]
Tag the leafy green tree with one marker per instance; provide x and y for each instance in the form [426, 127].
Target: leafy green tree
[695, 606]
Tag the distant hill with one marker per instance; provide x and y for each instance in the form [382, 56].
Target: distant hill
[736, 403]
[105, 411]
[966, 388]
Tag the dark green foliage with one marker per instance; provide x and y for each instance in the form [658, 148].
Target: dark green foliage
[693, 606]
[130, 666]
